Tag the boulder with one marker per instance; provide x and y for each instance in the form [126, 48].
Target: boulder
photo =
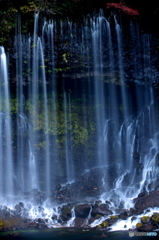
[112, 220]
[5, 212]
[82, 210]
[100, 210]
[17, 209]
[21, 204]
[79, 222]
[147, 200]
[66, 213]
[155, 220]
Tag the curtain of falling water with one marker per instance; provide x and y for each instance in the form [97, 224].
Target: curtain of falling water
[97, 31]
[20, 101]
[6, 159]
[46, 124]
[33, 93]
[119, 121]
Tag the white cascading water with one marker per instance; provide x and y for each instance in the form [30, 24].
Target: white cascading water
[6, 158]
[123, 111]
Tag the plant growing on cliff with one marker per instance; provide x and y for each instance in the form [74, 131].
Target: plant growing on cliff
[13, 105]
[60, 123]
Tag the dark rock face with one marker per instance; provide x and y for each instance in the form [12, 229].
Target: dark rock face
[100, 210]
[89, 184]
[79, 222]
[111, 221]
[21, 204]
[145, 227]
[18, 209]
[157, 160]
[147, 200]
[66, 213]
[5, 212]
[155, 220]
[82, 210]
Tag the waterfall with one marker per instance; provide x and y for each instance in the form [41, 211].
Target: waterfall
[6, 158]
[83, 102]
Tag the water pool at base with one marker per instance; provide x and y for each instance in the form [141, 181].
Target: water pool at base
[72, 234]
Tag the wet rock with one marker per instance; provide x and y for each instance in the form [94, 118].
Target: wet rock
[127, 213]
[58, 187]
[80, 222]
[66, 213]
[142, 194]
[145, 219]
[139, 168]
[89, 184]
[92, 219]
[111, 220]
[126, 179]
[148, 200]
[5, 212]
[54, 217]
[123, 215]
[25, 212]
[40, 220]
[25, 220]
[100, 210]
[82, 210]
[21, 204]
[145, 227]
[157, 160]
[155, 220]
[136, 157]
[103, 225]
[139, 226]
[17, 209]
[148, 228]
[133, 219]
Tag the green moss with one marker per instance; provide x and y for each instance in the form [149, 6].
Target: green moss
[155, 217]
[115, 216]
[139, 225]
[13, 105]
[66, 210]
[144, 219]
[63, 123]
[103, 224]
[10, 223]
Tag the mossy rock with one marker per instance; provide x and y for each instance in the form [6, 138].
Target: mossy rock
[114, 216]
[155, 217]
[145, 219]
[139, 225]
[103, 225]
[67, 210]
[9, 223]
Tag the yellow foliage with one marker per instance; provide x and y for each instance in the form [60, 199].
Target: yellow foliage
[138, 225]
[32, 7]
